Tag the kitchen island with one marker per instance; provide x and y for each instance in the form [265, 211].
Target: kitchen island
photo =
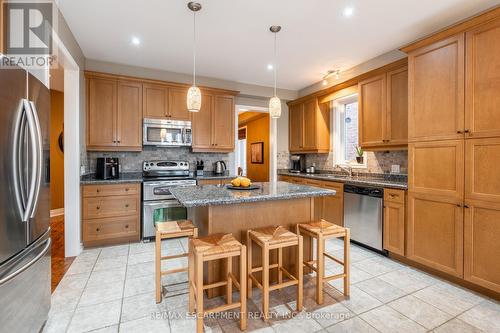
[216, 209]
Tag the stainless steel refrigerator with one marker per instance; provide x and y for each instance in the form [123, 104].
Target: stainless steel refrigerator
[25, 241]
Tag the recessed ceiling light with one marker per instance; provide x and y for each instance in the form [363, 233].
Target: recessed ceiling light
[270, 67]
[243, 110]
[348, 11]
[136, 41]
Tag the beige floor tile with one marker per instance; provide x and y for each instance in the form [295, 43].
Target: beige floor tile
[378, 265]
[58, 322]
[184, 323]
[142, 257]
[485, 316]
[114, 251]
[299, 324]
[109, 329]
[146, 324]
[381, 290]
[80, 267]
[65, 300]
[102, 293]
[448, 300]
[359, 301]
[139, 306]
[95, 316]
[104, 264]
[139, 285]
[142, 269]
[420, 311]
[141, 247]
[114, 275]
[353, 325]
[387, 320]
[73, 282]
[456, 326]
[407, 280]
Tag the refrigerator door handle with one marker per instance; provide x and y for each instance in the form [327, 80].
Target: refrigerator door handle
[39, 162]
[9, 277]
[16, 159]
[34, 158]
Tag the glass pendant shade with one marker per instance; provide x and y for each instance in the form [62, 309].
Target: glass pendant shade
[275, 107]
[194, 99]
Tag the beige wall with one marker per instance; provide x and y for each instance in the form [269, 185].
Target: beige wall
[257, 131]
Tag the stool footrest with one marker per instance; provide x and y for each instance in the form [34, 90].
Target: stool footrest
[235, 280]
[222, 308]
[333, 258]
[254, 279]
[310, 264]
[214, 285]
[283, 284]
[175, 256]
[333, 277]
[172, 271]
[259, 269]
[287, 273]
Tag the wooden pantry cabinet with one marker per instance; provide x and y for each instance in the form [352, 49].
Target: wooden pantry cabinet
[383, 110]
[213, 126]
[309, 127]
[111, 214]
[114, 115]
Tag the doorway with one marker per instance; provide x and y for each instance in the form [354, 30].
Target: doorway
[254, 145]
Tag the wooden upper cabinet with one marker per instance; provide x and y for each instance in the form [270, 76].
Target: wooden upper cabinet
[296, 116]
[436, 91]
[437, 168]
[482, 165]
[435, 232]
[481, 245]
[177, 104]
[482, 88]
[397, 107]
[223, 122]
[202, 124]
[155, 103]
[372, 109]
[309, 127]
[129, 115]
[101, 113]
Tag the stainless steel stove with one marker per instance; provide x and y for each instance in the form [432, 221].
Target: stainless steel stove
[159, 205]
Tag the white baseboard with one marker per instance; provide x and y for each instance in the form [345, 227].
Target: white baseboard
[56, 212]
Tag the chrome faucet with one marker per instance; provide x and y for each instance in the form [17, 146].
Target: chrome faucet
[346, 169]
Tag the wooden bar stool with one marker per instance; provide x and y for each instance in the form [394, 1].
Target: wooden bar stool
[165, 230]
[215, 247]
[322, 230]
[271, 238]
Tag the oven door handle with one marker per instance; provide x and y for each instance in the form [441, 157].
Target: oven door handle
[162, 204]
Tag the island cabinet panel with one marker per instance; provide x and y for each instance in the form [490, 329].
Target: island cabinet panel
[309, 127]
[482, 83]
[437, 168]
[436, 90]
[481, 245]
[482, 169]
[372, 106]
[332, 207]
[435, 232]
[394, 221]
[177, 104]
[156, 98]
[383, 110]
[101, 113]
[129, 115]
[213, 181]
[213, 126]
[111, 213]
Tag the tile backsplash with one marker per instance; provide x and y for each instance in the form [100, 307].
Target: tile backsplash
[132, 161]
[377, 162]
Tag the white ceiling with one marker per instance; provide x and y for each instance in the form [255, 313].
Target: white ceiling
[234, 42]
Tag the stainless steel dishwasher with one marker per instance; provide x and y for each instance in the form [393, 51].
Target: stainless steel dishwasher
[363, 210]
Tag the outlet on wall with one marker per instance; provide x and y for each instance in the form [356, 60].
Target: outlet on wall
[395, 168]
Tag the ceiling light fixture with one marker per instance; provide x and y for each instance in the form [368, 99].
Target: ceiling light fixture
[136, 41]
[270, 67]
[329, 73]
[194, 93]
[275, 102]
[348, 11]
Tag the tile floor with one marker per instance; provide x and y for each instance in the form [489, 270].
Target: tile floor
[111, 289]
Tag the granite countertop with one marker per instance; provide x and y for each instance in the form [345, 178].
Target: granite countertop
[125, 177]
[388, 181]
[207, 195]
[213, 175]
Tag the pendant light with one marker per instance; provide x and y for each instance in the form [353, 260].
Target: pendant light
[194, 93]
[275, 102]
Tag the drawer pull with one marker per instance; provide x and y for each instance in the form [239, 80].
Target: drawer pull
[126, 190]
[393, 195]
[98, 207]
[98, 190]
[126, 226]
[97, 229]
[126, 205]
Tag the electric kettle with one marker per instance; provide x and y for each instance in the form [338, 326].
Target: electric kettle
[220, 167]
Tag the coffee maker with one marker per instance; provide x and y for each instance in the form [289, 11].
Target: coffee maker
[298, 163]
[107, 168]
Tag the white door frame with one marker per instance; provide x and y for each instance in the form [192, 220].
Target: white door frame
[273, 139]
[72, 209]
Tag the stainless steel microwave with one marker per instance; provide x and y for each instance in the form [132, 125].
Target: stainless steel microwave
[169, 133]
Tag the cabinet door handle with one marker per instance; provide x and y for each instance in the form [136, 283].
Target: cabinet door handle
[97, 229]
[466, 206]
[459, 132]
[467, 131]
[98, 190]
[126, 190]
[126, 226]
[459, 205]
[126, 205]
[98, 207]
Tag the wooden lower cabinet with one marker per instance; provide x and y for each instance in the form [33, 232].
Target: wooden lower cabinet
[332, 208]
[435, 232]
[111, 213]
[394, 221]
[214, 181]
[481, 244]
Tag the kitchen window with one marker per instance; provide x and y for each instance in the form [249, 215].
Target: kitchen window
[345, 111]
